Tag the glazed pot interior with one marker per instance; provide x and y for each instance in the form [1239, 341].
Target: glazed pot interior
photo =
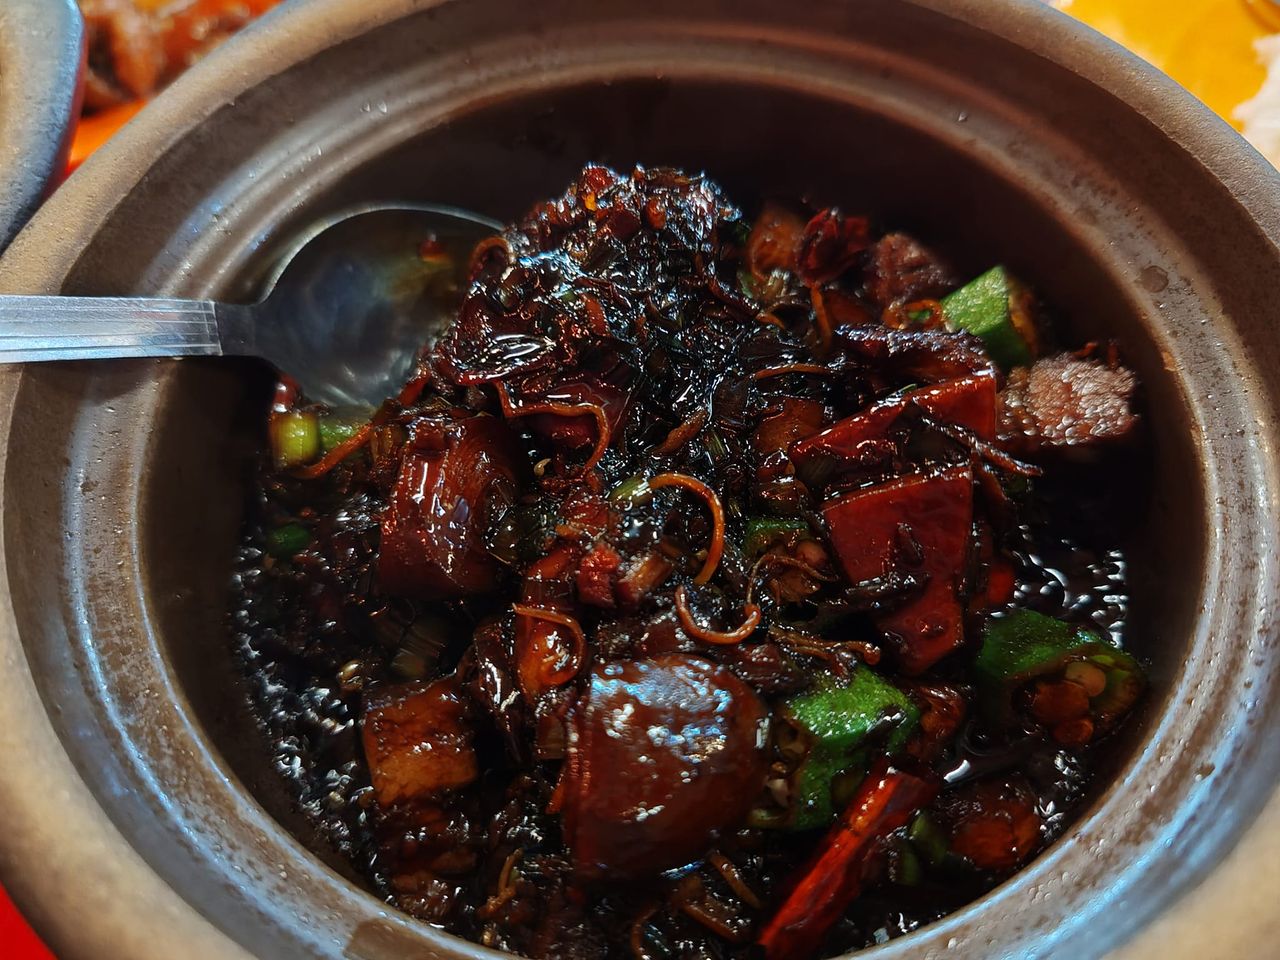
[126, 481]
[538, 147]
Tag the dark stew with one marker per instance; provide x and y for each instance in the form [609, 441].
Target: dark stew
[716, 588]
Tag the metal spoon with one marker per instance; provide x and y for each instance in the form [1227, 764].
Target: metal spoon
[345, 313]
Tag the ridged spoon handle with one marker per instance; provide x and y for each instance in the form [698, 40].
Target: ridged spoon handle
[100, 328]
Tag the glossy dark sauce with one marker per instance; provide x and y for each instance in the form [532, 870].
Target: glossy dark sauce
[315, 635]
[311, 723]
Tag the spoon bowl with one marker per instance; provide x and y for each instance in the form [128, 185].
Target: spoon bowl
[345, 314]
[355, 300]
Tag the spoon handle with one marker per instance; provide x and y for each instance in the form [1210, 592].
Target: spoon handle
[99, 328]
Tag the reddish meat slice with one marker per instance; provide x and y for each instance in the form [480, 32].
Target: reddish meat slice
[1066, 401]
[920, 356]
[876, 530]
[846, 439]
[662, 754]
[456, 474]
[968, 402]
[418, 741]
[903, 269]
[794, 420]
[993, 579]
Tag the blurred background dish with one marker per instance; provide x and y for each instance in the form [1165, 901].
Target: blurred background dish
[1220, 50]
[136, 47]
[1223, 51]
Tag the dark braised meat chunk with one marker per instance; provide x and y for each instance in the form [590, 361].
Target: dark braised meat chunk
[902, 269]
[920, 523]
[419, 741]
[1066, 402]
[663, 754]
[993, 823]
[457, 474]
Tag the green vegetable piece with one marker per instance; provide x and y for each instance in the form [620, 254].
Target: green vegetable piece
[288, 540]
[1016, 486]
[994, 308]
[928, 838]
[715, 445]
[764, 532]
[904, 867]
[630, 489]
[1025, 646]
[409, 664]
[295, 438]
[336, 429]
[841, 724]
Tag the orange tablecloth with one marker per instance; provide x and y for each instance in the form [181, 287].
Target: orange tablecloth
[17, 941]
